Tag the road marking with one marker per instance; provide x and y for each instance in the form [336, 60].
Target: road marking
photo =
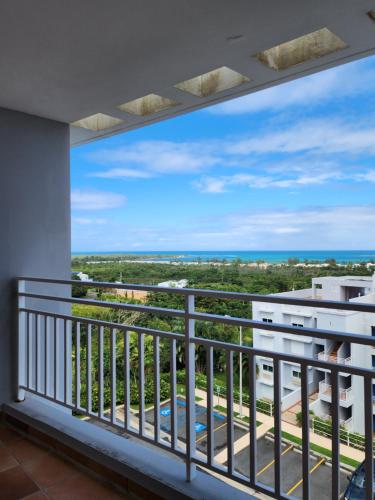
[273, 461]
[298, 483]
[217, 428]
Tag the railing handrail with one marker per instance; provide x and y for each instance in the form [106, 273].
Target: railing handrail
[56, 327]
[275, 327]
[219, 294]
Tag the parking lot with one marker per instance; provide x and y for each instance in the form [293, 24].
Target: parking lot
[220, 425]
[291, 470]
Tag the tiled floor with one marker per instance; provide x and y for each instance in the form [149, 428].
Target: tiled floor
[29, 471]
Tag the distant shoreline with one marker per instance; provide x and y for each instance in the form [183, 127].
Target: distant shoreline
[301, 258]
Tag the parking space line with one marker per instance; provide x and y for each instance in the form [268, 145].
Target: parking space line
[298, 483]
[217, 428]
[273, 461]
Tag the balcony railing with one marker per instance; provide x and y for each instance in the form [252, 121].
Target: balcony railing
[55, 362]
[324, 356]
[326, 390]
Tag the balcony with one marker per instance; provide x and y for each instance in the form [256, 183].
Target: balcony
[56, 364]
[325, 356]
[325, 392]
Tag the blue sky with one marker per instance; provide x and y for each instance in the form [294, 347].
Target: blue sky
[291, 167]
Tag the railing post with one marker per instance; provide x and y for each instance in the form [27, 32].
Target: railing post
[190, 386]
[21, 332]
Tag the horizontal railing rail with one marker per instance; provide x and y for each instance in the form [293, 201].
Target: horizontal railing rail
[96, 368]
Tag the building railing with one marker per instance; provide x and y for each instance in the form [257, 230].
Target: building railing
[326, 390]
[325, 356]
[55, 362]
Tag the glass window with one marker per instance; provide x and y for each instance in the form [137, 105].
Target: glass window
[268, 368]
[267, 320]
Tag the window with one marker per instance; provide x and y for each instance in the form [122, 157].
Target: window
[297, 324]
[373, 331]
[267, 320]
[268, 368]
[373, 361]
[296, 374]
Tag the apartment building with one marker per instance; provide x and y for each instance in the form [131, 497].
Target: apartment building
[343, 288]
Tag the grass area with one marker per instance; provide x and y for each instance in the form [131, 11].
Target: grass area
[236, 414]
[319, 449]
[181, 390]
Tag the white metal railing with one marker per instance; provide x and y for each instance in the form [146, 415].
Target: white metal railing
[324, 356]
[326, 390]
[55, 361]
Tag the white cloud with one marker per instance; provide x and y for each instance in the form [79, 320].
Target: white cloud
[122, 173]
[339, 82]
[215, 185]
[321, 136]
[85, 221]
[156, 157]
[305, 228]
[96, 200]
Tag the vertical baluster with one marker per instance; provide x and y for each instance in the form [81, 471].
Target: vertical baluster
[277, 422]
[335, 435]
[65, 361]
[88, 370]
[253, 420]
[141, 382]
[46, 356]
[230, 428]
[101, 373]
[113, 376]
[156, 389]
[369, 460]
[305, 432]
[126, 380]
[190, 386]
[36, 357]
[78, 365]
[28, 350]
[210, 404]
[173, 384]
[55, 356]
[21, 342]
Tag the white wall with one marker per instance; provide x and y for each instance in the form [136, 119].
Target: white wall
[34, 218]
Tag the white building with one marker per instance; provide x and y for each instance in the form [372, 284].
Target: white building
[344, 288]
[174, 284]
[83, 276]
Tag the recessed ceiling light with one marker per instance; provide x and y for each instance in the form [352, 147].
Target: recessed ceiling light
[151, 103]
[302, 49]
[97, 122]
[371, 14]
[212, 82]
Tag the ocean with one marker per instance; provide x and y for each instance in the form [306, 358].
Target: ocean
[341, 256]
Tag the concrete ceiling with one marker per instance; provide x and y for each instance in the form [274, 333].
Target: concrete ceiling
[69, 59]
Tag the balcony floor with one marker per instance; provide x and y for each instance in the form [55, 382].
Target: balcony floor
[30, 471]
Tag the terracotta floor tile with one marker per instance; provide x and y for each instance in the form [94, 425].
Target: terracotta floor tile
[82, 487]
[15, 484]
[26, 451]
[49, 470]
[39, 495]
[7, 461]
[8, 436]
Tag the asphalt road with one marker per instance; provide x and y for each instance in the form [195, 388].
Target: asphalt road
[291, 470]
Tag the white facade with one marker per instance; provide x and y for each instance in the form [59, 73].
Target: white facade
[353, 288]
[174, 284]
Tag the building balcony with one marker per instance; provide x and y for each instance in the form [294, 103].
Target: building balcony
[71, 366]
[334, 358]
[325, 392]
